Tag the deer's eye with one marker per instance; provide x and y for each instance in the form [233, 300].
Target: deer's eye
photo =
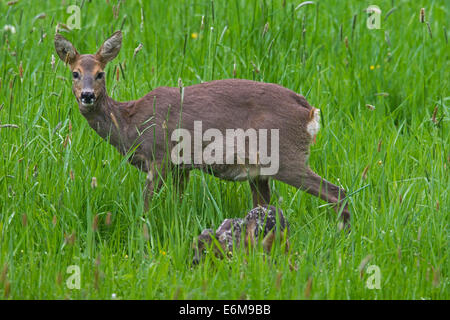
[76, 75]
[100, 75]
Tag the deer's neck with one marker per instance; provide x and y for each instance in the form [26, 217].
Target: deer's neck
[107, 119]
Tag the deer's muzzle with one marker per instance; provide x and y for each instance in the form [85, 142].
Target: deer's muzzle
[87, 98]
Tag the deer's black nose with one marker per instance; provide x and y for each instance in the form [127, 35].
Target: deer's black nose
[87, 97]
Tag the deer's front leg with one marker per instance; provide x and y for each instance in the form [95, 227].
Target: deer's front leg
[154, 181]
[181, 180]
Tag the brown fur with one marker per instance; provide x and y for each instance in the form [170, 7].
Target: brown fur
[146, 124]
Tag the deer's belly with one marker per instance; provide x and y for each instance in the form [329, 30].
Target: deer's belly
[233, 172]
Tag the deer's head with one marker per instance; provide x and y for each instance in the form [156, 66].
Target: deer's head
[88, 76]
[201, 244]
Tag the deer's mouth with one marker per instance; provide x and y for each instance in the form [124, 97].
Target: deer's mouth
[87, 98]
[87, 104]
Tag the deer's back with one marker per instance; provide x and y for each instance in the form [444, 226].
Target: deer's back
[223, 104]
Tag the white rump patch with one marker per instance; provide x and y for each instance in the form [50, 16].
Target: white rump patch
[313, 125]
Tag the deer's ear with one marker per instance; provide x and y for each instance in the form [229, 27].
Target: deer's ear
[110, 48]
[65, 49]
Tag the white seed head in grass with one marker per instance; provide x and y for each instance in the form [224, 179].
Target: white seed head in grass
[422, 15]
[52, 62]
[108, 218]
[363, 264]
[94, 183]
[138, 48]
[9, 28]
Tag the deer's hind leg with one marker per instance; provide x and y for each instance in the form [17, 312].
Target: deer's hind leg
[180, 179]
[260, 191]
[303, 178]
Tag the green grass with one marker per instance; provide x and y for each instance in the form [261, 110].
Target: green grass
[400, 205]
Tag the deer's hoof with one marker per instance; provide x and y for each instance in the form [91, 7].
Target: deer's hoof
[344, 226]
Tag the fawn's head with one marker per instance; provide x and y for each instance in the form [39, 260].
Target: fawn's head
[88, 76]
[201, 244]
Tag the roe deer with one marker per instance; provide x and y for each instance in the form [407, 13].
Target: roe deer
[260, 224]
[142, 127]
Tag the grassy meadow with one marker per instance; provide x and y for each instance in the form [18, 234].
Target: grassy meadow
[384, 95]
